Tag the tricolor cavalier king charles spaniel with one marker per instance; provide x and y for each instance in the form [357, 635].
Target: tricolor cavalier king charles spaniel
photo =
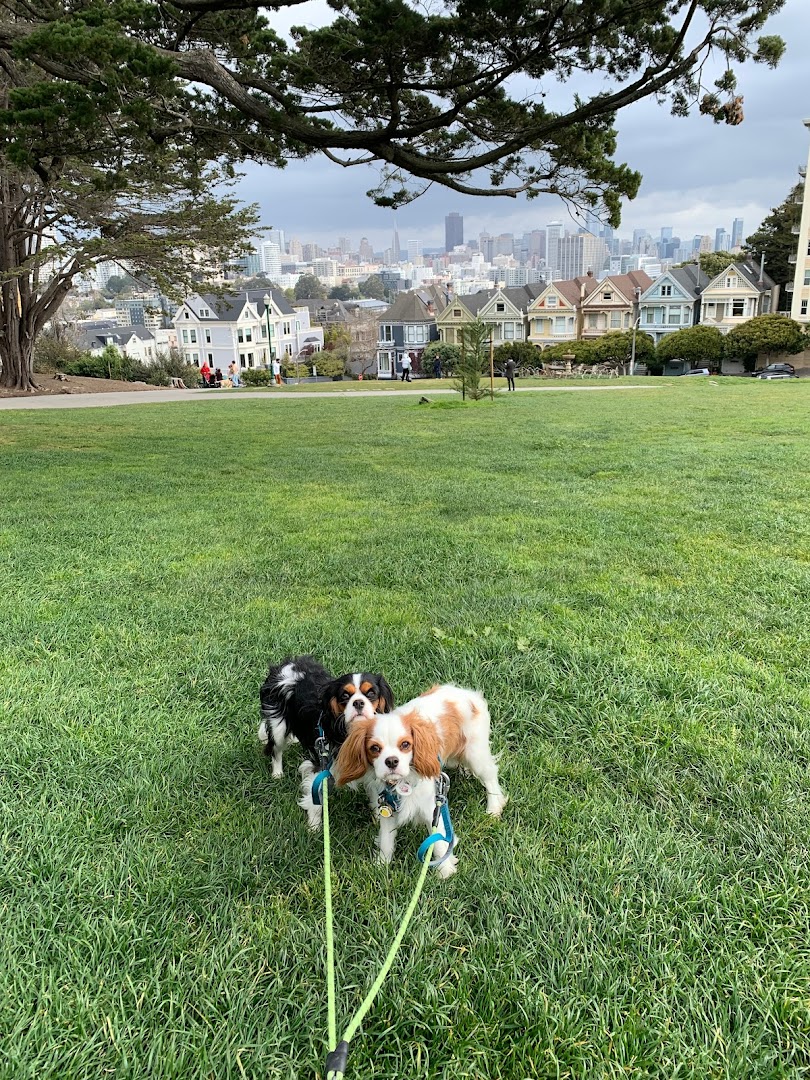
[399, 755]
[298, 696]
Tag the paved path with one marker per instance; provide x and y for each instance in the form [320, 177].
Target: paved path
[158, 397]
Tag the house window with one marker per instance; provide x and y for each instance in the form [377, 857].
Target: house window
[210, 358]
[185, 337]
[674, 317]
[384, 363]
[737, 308]
[808, 247]
[205, 313]
[250, 359]
[551, 301]
[807, 277]
[509, 331]
[803, 310]
[500, 307]
[185, 315]
[607, 295]
[241, 359]
[456, 315]
[286, 328]
[195, 358]
[192, 336]
[615, 319]
[591, 322]
[207, 337]
[386, 333]
[666, 290]
[240, 336]
[649, 316]
[559, 324]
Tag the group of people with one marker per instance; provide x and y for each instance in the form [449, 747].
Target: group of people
[213, 378]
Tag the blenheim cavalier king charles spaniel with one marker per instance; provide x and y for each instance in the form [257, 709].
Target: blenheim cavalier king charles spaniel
[298, 696]
[399, 755]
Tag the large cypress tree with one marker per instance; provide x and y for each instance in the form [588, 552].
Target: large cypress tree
[100, 98]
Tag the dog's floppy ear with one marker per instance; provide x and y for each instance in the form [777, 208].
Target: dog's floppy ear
[426, 746]
[351, 762]
[329, 701]
[385, 701]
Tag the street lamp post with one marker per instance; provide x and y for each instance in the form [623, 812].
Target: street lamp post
[635, 328]
[266, 299]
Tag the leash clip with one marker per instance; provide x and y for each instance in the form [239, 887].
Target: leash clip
[442, 791]
[322, 750]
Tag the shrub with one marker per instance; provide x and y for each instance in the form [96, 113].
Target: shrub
[330, 364]
[256, 376]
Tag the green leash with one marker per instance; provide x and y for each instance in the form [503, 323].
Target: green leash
[336, 1058]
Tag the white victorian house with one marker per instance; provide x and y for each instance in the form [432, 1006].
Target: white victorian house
[244, 328]
[736, 295]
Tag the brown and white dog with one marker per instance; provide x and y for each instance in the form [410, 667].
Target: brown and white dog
[398, 756]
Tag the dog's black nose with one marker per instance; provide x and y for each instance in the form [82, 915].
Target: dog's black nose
[359, 705]
[391, 762]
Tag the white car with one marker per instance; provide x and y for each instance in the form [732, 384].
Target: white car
[776, 375]
[698, 371]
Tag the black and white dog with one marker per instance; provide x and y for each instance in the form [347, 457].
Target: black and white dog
[298, 697]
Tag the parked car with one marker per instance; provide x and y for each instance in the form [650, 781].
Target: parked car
[698, 371]
[785, 370]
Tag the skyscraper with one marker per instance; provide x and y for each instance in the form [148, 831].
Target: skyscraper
[722, 240]
[579, 254]
[554, 231]
[396, 254]
[737, 232]
[366, 251]
[453, 231]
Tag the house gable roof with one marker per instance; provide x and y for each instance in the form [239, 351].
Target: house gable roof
[749, 276]
[230, 306]
[414, 306]
[624, 285]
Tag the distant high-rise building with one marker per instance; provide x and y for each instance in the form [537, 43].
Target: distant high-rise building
[639, 241]
[414, 250]
[366, 251]
[453, 231]
[592, 222]
[343, 245]
[396, 254]
[504, 244]
[666, 233]
[554, 231]
[311, 251]
[579, 254]
[276, 236]
[486, 245]
[705, 243]
[271, 260]
[737, 232]
[296, 251]
[722, 240]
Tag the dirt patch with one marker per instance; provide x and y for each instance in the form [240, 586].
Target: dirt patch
[52, 385]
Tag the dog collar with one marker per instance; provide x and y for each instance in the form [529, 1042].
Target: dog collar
[390, 798]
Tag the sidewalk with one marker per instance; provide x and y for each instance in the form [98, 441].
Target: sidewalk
[96, 401]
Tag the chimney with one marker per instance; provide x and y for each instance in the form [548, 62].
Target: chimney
[590, 273]
[430, 309]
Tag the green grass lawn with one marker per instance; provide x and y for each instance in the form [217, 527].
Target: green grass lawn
[626, 577]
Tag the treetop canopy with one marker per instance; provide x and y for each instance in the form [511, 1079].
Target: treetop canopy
[455, 93]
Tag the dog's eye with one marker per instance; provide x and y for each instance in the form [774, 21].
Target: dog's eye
[405, 745]
[374, 749]
[371, 694]
[343, 697]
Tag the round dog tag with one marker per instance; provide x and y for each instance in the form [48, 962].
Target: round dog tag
[384, 811]
[404, 788]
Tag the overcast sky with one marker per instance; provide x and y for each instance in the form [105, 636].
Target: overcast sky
[697, 175]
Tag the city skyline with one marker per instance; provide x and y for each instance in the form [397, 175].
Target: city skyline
[696, 175]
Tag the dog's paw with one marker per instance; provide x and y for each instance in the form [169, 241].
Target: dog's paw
[448, 867]
[496, 803]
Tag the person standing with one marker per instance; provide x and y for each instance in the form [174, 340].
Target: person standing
[275, 367]
[406, 368]
[510, 374]
[437, 368]
[233, 373]
[205, 373]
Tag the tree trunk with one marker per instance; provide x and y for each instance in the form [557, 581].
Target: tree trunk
[16, 354]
